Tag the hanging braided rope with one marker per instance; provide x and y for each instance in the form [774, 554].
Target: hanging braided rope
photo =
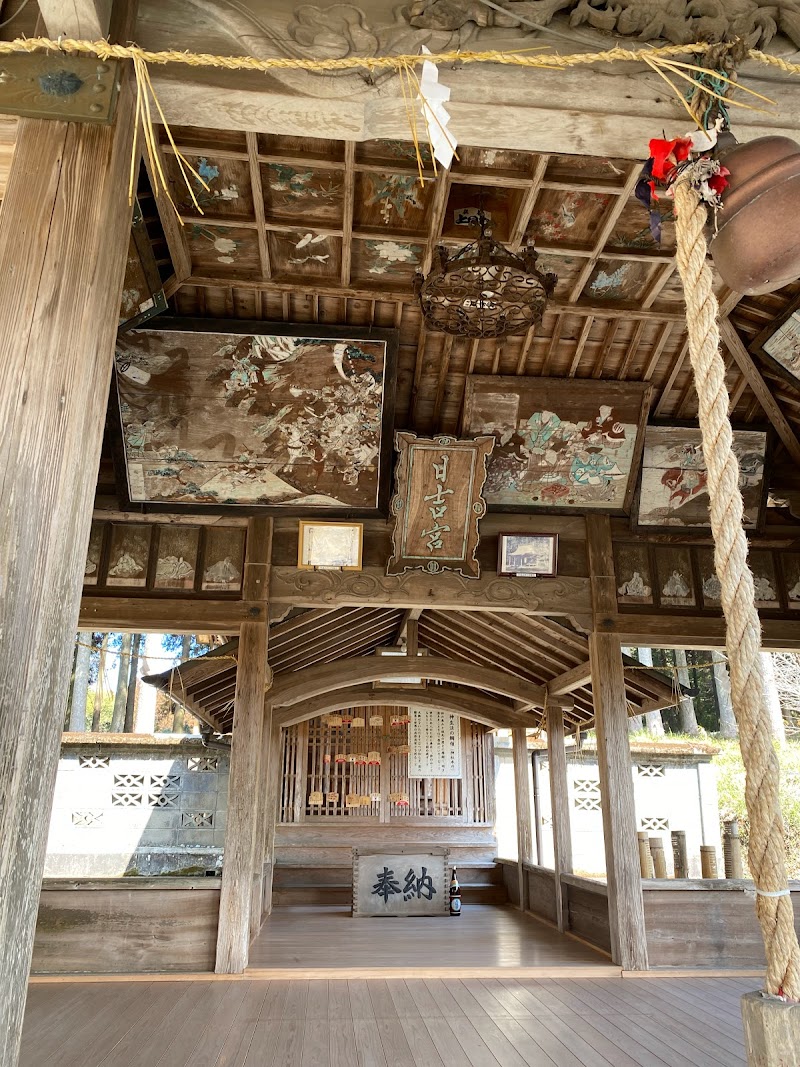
[767, 850]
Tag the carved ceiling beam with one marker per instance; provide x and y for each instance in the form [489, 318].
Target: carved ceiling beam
[491, 106]
[370, 587]
[475, 706]
[323, 678]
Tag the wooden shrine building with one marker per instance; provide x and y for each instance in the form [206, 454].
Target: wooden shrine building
[273, 374]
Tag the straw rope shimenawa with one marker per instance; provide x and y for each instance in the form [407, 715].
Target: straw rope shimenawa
[104, 50]
[767, 849]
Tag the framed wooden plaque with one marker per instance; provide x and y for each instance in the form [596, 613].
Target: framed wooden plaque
[438, 503]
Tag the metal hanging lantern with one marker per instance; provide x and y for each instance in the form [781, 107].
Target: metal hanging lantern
[483, 290]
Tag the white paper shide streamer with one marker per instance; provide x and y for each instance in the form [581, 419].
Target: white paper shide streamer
[433, 96]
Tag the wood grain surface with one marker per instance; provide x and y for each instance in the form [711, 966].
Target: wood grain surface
[497, 1022]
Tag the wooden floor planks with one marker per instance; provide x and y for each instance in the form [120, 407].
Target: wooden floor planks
[486, 940]
[395, 1022]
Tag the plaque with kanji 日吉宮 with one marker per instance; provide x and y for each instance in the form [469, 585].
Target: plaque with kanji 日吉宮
[438, 502]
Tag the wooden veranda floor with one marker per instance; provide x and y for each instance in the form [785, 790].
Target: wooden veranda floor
[486, 941]
[566, 1022]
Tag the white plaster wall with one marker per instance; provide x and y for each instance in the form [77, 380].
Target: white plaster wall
[505, 803]
[677, 793]
[175, 819]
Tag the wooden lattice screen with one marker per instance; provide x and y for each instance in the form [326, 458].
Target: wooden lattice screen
[326, 768]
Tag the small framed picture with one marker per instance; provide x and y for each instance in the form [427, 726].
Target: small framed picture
[527, 555]
[330, 545]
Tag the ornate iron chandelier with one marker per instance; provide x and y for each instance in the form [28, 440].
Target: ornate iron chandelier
[483, 290]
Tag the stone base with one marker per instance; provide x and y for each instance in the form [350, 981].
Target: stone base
[771, 1031]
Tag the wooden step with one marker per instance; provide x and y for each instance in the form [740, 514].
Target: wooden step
[286, 876]
[342, 894]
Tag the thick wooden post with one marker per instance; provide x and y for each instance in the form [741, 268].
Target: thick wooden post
[273, 792]
[64, 232]
[522, 788]
[625, 902]
[262, 815]
[559, 798]
[236, 891]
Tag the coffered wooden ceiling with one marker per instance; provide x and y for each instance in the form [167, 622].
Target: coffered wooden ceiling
[306, 230]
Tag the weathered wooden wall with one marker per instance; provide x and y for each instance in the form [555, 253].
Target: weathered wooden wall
[704, 923]
[119, 926]
[313, 863]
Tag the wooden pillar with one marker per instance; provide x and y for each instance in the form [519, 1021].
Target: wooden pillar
[625, 902]
[64, 232]
[273, 792]
[522, 789]
[236, 891]
[559, 798]
[263, 795]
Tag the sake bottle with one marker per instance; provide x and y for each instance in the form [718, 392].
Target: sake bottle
[455, 894]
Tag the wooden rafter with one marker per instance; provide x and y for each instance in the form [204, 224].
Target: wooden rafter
[326, 677]
[347, 212]
[760, 388]
[476, 706]
[609, 222]
[258, 204]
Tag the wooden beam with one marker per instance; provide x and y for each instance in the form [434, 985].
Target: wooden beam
[418, 589]
[236, 890]
[523, 792]
[165, 615]
[326, 677]
[491, 108]
[625, 902]
[257, 189]
[685, 631]
[348, 202]
[405, 296]
[559, 800]
[476, 706]
[735, 346]
[83, 20]
[571, 680]
[64, 232]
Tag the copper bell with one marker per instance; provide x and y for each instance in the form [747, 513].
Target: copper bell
[757, 247]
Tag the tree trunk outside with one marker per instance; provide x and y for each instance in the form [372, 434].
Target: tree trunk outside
[722, 687]
[99, 686]
[123, 676]
[145, 718]
[686, 706]
[80, 688]
[773, 701]
[130, 700]
[177, 715]
[653, 720]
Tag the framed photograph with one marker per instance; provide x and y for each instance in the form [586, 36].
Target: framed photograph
[393, 683]
[673, 492]
[561, 445]
[525, 555]
[330, 545]
[779, 344]
[296, 419]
